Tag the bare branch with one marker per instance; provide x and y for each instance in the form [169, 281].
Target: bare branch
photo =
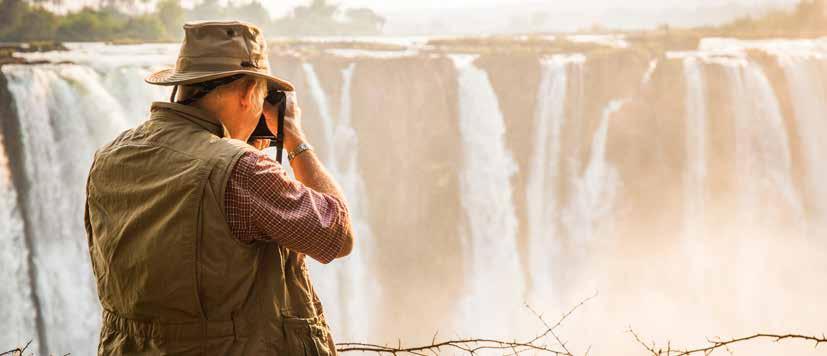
[17, 351]
[718, 344]
[472, 346]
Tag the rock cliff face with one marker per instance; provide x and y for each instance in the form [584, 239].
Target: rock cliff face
[483, 173]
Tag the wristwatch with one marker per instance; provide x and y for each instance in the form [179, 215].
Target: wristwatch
[298, 150]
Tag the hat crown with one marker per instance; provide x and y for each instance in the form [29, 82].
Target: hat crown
[232, 43]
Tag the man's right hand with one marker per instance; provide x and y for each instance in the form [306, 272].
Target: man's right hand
[293, 133]
[309, 169]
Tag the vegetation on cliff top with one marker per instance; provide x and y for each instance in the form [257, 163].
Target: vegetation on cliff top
[23, 21]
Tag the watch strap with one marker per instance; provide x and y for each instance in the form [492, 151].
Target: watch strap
[298, 150]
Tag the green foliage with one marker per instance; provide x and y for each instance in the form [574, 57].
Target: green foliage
[171, 16]
[322, 18]
[89, 25]
[36, 24]
[144, 28]
[22, 20]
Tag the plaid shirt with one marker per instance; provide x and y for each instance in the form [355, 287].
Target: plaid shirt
[263, 203]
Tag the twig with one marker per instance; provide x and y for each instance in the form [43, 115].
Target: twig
[550, 329]
[17, 351]
[472, 346]
[716, 344]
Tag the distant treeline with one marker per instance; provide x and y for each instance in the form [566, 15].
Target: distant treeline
[22, 20]
[807, 19]
[809, 16]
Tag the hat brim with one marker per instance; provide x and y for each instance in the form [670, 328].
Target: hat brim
[170, 77]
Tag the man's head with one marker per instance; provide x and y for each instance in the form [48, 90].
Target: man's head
[235, 55]
[237, 103]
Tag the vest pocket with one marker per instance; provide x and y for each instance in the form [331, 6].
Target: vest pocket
[306, 336]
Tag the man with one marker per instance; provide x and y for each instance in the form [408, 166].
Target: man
[197, 239]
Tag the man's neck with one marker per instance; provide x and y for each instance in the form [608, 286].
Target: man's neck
[230, 130]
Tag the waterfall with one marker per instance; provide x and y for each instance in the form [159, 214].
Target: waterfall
[809, 98]
[18, 312]
[541, 195]
[696, 170]
[763, 165]
[64, 114]
[495, 285]
[350, 289]
[593, 192]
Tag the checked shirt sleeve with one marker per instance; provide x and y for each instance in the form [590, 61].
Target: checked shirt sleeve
[264, 204]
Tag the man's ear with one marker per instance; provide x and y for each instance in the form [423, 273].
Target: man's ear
[248, 94]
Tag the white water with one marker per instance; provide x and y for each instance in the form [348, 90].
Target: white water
[696, 170]
[543, 177]
[64, 114]
[19, 320]
[345, 285]
[763, 164]
[495, 284]
[593, 191]
[810, 106]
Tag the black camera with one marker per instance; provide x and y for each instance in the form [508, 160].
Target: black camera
[278, 99]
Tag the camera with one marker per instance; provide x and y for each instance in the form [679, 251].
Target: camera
[278, 99]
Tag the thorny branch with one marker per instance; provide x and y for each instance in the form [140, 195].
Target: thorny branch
[472, 346]
[17, 351]
[718, 343]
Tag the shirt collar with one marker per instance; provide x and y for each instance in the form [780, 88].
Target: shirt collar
[196, 115]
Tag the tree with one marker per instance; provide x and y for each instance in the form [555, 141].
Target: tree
[171, 16]
[252, 12]
[364, 21]
[11, 14]
[37, 24]
[206, 10]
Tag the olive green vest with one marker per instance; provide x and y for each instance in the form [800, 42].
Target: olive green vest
[171, 278]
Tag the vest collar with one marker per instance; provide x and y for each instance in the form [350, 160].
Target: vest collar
[196, 115]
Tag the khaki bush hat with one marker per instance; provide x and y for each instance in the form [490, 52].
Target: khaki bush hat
[217, 49]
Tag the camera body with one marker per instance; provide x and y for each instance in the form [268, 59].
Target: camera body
[278, 99]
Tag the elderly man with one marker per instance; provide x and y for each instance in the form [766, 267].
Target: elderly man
[197, 239]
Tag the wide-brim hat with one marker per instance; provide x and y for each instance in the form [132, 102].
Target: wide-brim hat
[218, 49]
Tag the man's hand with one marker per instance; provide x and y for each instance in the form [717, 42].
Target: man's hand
[261, 143]
[293, 133]
[307, 168]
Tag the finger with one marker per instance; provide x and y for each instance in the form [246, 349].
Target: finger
[291, 104]
[261, 144]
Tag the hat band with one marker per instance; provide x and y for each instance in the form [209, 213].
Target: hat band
[219, 64]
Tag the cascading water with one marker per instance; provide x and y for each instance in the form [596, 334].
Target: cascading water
[15, 286]
[593, 191]
[544, 174]
[695, 174]
[763, 164]
[810, 107]
[64, 113]
[349, 289]
[495, 283]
